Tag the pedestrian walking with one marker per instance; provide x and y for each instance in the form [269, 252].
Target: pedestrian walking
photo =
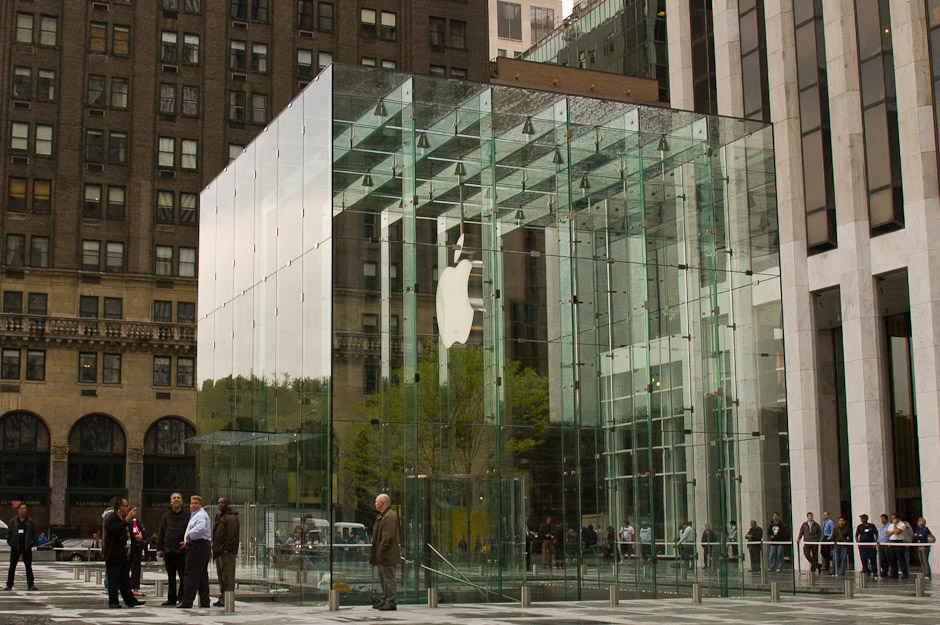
[753, 538]
[170, 546]
[709, 538]
[546, 538]
[626, 536]
[225, 547]
[924, 538]
[779, 537]
[386, 552]
[828, 527]
[115, 534]
[21, 536]
[610, 544]
[867, 533]
[811, 532]
[197, 543]
[899, 534]
[840, 536]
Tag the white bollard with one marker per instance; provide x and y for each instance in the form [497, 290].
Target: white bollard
[432, 597]
[849, 589]
[614, 598]
[161, 586]
[919, 585]
[774, 592]
[526, 596]
[229, 601]
[696, 593]
[862, 580]
[334, 600]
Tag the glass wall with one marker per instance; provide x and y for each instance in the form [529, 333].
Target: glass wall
[527, 317]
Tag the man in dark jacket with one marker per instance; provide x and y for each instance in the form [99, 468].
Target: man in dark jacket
[709, 538]
[811, 532]
[114, 529]
[225, 547]
[385, 553]
[21, 536]
[840, 550]
[867, 533]
[754, 548]
[169, 542]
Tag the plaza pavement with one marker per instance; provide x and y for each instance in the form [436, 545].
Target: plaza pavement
[61, 600]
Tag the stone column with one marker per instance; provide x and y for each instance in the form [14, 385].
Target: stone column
[728, 57]
[678, 26]
[135, 477]
[60, 474]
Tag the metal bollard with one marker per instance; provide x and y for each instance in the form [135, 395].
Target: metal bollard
[584, 571]
[613, 569]
[862, 580]
[919, 585]
[696, 593]
[334, 600]
[99, 577]
[432, 597]
[76, 573]
[849, 589]
[614, 597]
[535, 570]
[812, 579]
[526, 596]
[763, 575]
[229, 601]
[161, 586]
[775, 592]
[88, 575]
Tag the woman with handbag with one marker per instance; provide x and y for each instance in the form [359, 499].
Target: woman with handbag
[922, 534]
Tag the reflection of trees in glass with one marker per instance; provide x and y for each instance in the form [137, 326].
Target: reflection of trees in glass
[21, 431]
[96, 434]
[166, 436]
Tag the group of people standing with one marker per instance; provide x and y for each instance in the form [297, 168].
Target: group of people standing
[185, 542]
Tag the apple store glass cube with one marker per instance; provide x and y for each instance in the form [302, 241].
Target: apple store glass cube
[498, 306]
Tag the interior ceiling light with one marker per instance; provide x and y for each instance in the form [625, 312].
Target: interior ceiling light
[423, 143]
[585, 184]
[380, 110]
[528, 128]
[557, 159]
[367, 180]
[663, 144]
[460, 171]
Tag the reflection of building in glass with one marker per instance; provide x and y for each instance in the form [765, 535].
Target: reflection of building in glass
[516, 25]
[619, 36]
[624, 361]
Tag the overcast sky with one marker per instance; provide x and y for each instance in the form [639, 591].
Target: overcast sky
[567, 4]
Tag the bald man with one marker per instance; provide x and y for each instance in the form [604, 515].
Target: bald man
[385, 553]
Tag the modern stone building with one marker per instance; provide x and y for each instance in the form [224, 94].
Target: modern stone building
[515, 26]
[115, 114]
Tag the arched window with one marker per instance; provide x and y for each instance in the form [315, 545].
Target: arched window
[24, 451]
[166, 436]
[96, 453]
[169, 466]
[97, 434]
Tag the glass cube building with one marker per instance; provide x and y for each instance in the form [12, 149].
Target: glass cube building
[498, 306]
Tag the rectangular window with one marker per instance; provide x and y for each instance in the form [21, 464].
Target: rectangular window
[24, 28]
[186, 312]
[96, 87]
[111, 369]
[164, 261]
[389, 64]
[542, 22]
[259, 57]
[10, 370]
[187, 262]
[168, 46]
[509, 20]
[370, 379]
[119, 93]
[259, 108]
[394, 324]
[114, 261]
[458, 72]
[305, 64]
[439, 71]
[161, 370]
[192, 6]
[370, 323]
[91, 208]
[16, 195]
[367, 23]
[88, 306]
[323, 60]
[389, 26]
[370, 276]
[190, 101]
[164, 207]
[98, 38]
[458, 34]
[91, 255]
[22, 83]
[94, 146]
[167, 99]
[191, 49]
[234, 149]
[42, 196]
[35, 365]
[238, 9]
[305, 14]
[16, 250]
[48, 30]
[259, 10]
[19, 137]
[189, 154]
[325, 16]
[36, 303]
[43, 139]
[117, 147]
[88, 367]
[185, 372]
[166, 152]
[121, 41]
[13, 302]
[238, 56]
[116, 202]
[188, 205]
[113, 308]
[39, 252]
[436, 33]
[236, 106]
[162, 311]
[45, 85]
[368, 61]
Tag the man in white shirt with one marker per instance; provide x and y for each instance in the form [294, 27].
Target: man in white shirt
[627, 536]
[197, 541]
[685, 545]
[899, 532]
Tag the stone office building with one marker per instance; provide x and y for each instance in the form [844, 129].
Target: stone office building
[115, 115]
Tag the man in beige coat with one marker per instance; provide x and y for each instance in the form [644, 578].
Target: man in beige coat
[385, 553]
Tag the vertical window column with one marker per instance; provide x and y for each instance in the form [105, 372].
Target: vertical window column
[754, 59]
[704, 82]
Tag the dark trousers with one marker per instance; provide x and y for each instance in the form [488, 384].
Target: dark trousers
[755, 552]
[119, 579]
[198, 553]
[175, 564]
[827, 555]
[869, 558]
[136, 557]
[15, 555]
[897, 561]
[883, 559]
[810, 552]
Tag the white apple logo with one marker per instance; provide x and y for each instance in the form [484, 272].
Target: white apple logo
[454, 308]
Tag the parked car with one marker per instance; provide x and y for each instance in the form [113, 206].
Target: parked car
[77, 549]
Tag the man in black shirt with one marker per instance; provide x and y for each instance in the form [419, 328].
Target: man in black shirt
[169, 539]
[21, 536]
[753, 539]
[546, 536]
[867, 533]
[115, 552]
